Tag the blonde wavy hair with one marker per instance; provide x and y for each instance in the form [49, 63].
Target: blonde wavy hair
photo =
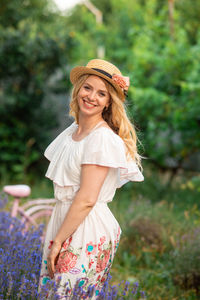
[115, 116]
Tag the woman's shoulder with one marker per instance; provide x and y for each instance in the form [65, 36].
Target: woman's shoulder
[106, 131]
[104, 147]
[105, 136]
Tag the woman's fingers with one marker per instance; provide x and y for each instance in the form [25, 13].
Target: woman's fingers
[50, 266]
[53, 265]
[51, 259]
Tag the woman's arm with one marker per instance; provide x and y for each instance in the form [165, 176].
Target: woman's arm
[92, 179]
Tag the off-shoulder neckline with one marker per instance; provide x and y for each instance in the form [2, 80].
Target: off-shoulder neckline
[94, 130]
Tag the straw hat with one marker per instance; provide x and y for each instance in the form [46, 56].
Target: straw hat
[106, 70]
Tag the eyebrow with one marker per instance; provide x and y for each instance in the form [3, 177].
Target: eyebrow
[99, 90]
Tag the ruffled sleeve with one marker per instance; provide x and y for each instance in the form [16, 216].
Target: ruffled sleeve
[58, 142]
[58, 153]
[105, 148]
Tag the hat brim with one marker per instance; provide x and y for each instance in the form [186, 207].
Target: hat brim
[79, 71]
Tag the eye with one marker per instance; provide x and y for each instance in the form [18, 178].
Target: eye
[86, 87]
[102, 94]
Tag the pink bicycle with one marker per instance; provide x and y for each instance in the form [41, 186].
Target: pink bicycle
[34, 210]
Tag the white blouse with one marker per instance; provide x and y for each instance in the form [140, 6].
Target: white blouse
[100, 147]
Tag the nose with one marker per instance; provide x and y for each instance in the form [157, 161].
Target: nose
[92, 96]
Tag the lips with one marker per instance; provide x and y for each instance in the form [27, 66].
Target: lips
[88, 104]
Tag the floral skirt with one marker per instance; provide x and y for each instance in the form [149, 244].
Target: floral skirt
[87, 255]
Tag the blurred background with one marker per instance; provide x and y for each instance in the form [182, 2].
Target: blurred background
[157, 44]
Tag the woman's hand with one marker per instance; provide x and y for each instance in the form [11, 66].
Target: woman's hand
[52, 257]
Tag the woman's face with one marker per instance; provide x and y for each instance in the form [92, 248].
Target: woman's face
[93, 96]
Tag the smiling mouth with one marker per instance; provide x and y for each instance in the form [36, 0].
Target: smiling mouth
[89, 104]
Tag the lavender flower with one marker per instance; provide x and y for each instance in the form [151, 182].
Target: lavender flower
[20, 262]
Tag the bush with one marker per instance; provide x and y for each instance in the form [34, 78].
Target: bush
[186, 261]
[145, 232]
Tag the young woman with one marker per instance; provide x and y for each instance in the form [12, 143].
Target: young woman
[88, 161]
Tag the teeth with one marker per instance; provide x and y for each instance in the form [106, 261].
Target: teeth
[89, 104]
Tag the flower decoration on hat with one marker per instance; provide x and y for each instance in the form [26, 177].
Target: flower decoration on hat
[122, 81]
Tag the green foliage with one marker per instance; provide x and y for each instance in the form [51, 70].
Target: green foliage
[12, 12]
[164, 71]
[31, 52]
[166, 104]
[189, 18]
[37, 44]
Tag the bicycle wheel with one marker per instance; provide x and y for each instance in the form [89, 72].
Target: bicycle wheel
[38, 211]
[41, 217]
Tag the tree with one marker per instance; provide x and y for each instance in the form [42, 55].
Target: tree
[32, 49]
[163, 100]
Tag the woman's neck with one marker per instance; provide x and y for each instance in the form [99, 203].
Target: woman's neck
[87, 124]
